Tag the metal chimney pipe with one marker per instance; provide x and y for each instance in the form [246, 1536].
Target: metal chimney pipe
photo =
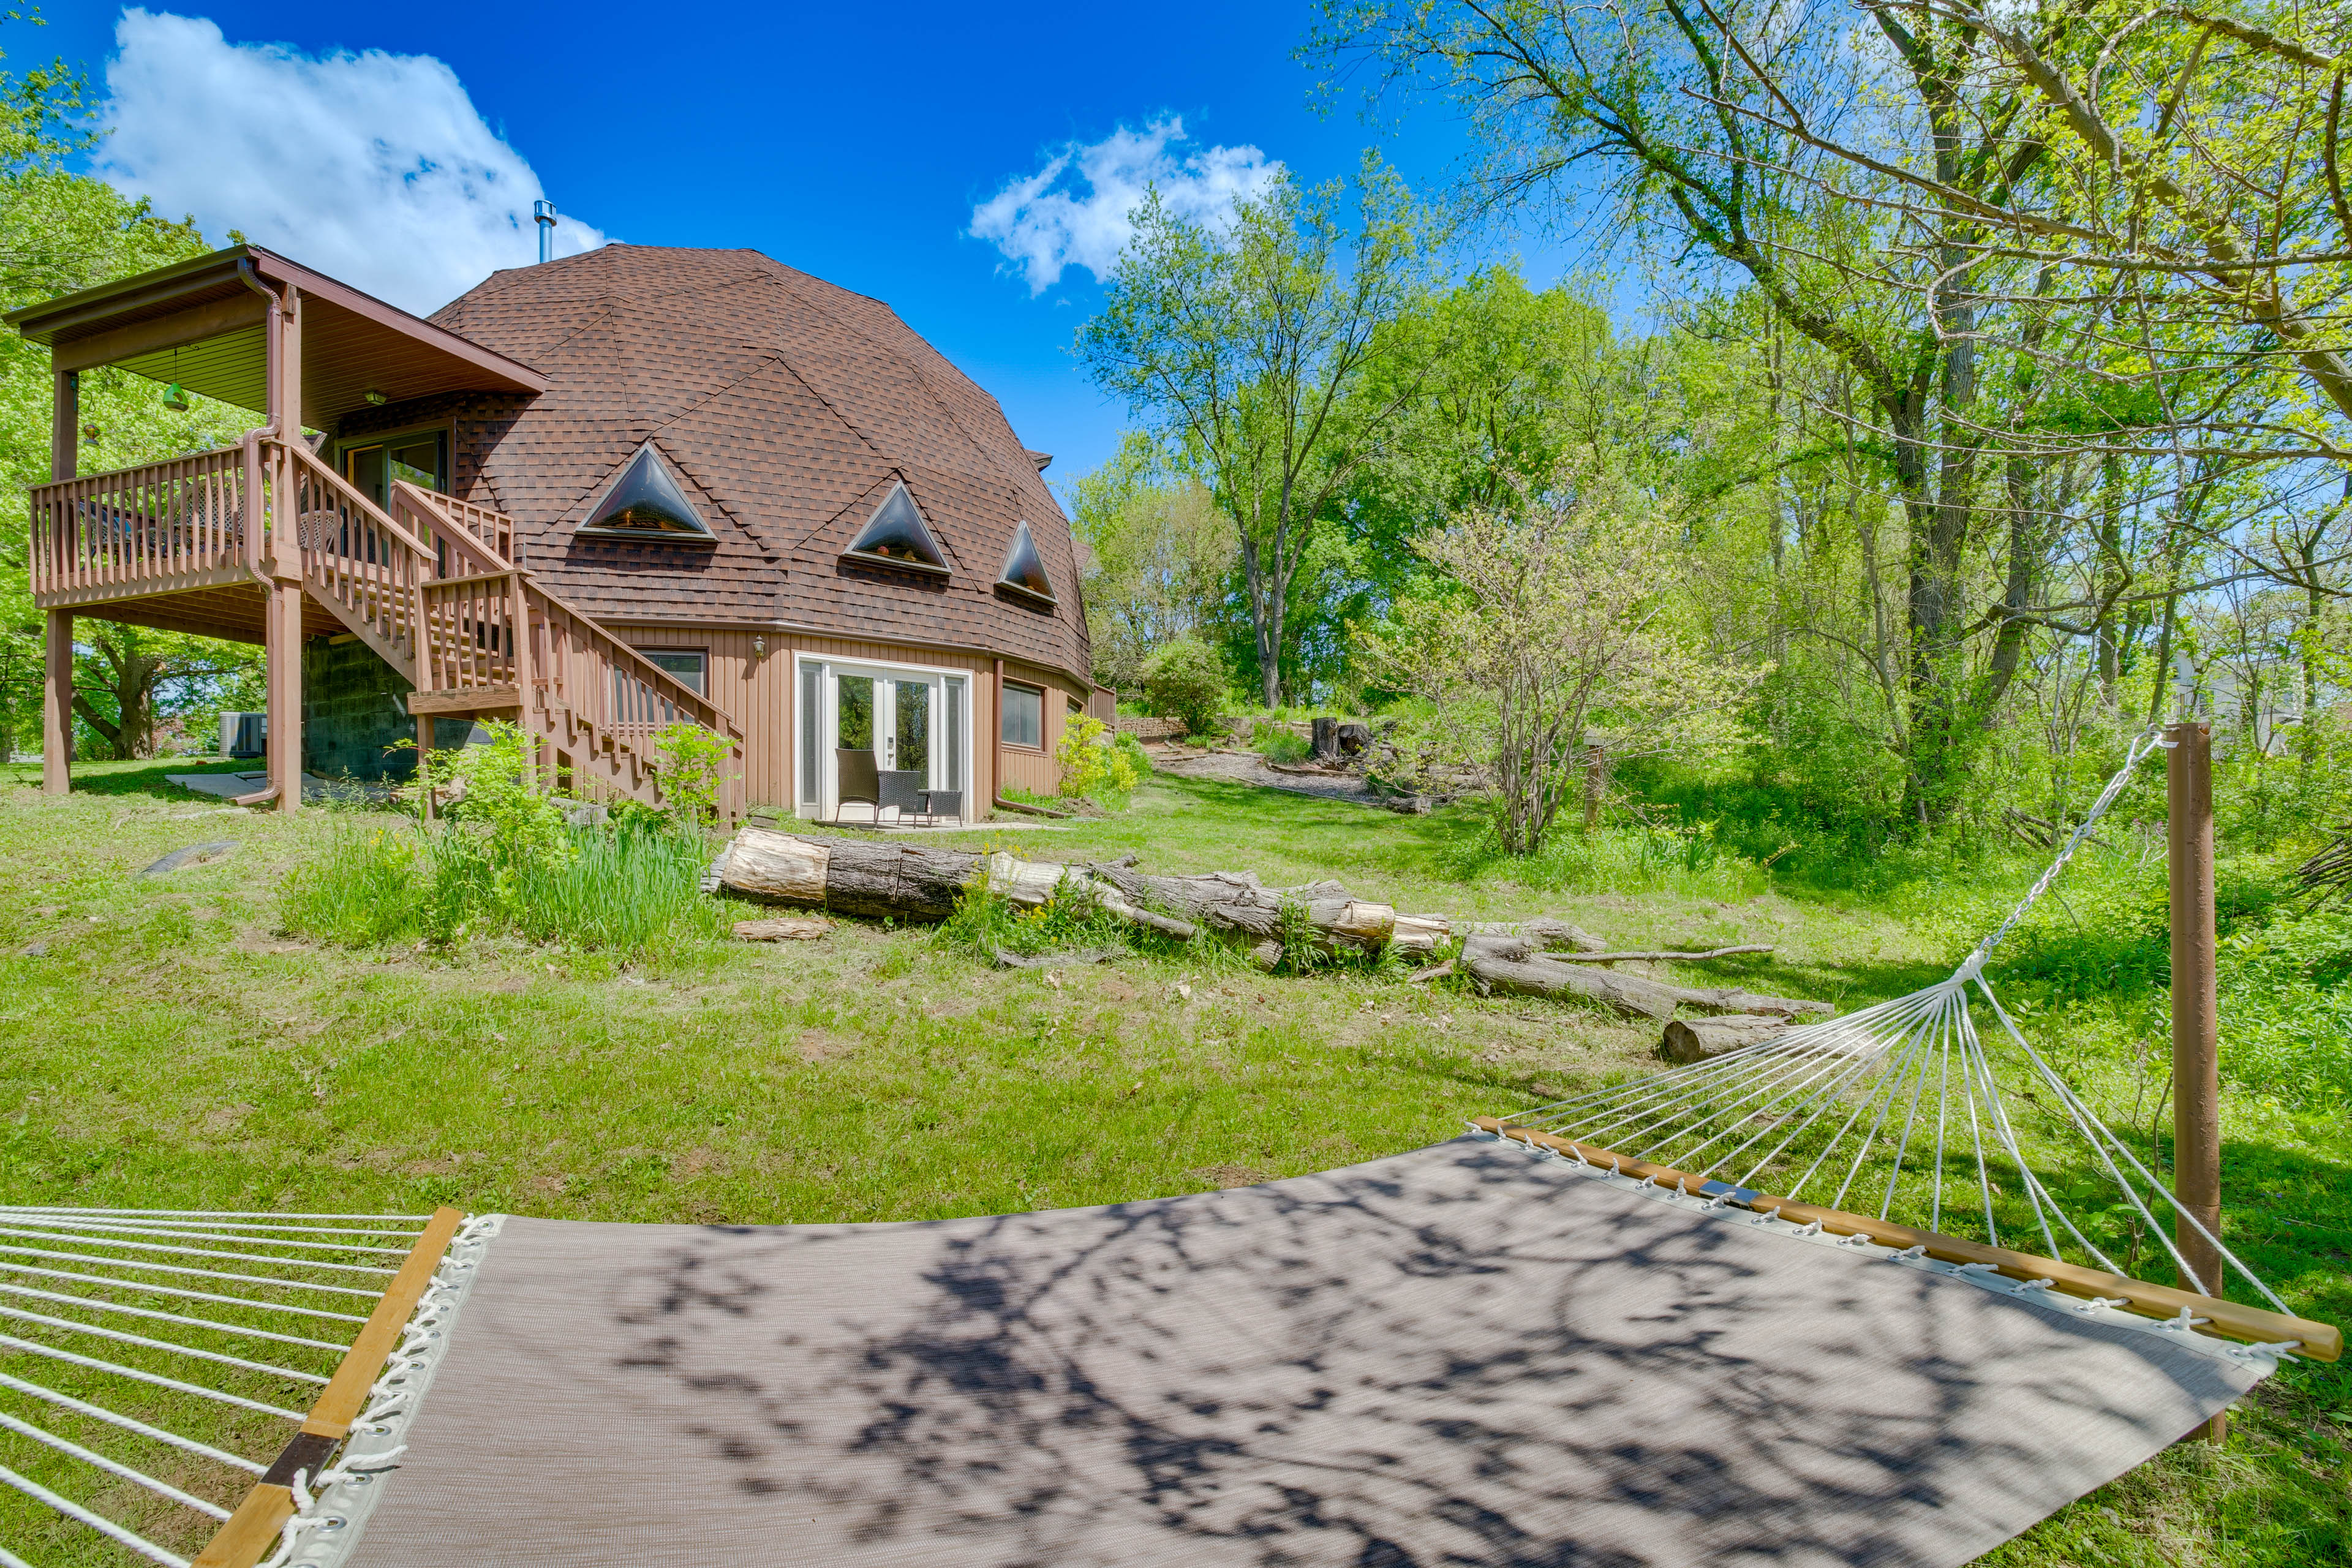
[542, 212]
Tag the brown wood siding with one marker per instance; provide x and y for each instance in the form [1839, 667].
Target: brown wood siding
[760, 693]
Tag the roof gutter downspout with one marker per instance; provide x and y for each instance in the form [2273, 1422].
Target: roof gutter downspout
[996, 760]
[271, 383]
[251, 278]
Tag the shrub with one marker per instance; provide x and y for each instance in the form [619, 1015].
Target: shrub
[1091, 764]
[689, 781]
[1187, 681]
[504, 859]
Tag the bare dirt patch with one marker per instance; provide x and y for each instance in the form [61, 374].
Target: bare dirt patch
[823, 1044]
[1229, 1176]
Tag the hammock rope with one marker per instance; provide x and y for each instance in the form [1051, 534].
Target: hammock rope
[59, 1453]
[1900, 1106]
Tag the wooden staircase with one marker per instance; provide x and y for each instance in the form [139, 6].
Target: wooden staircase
[431, 588]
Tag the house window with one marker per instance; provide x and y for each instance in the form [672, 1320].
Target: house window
[898, 534]
[421, 458]
[636, 701]
[645, 500]
[1025, 574]
[811, 702]
[1025, 715]
[689, 664]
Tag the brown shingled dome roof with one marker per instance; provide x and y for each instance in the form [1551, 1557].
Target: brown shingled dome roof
[789, 408]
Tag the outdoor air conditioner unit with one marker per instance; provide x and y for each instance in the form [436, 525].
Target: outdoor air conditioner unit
[244, 734]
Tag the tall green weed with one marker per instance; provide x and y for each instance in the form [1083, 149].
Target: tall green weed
[504, 860]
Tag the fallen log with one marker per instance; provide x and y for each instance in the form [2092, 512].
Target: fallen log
[898, 881]
[1696, 1040]
[1664, 955]
[1547, 934]
[1512, 964]
[849, 876]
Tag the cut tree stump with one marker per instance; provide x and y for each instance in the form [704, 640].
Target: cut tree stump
[1696, 1040]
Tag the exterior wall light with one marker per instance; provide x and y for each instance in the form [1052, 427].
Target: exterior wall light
[374, 399]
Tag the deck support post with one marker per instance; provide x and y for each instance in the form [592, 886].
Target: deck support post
[57, 686]
[65, 427]
[284, 653]
[56, 705]
[2196, 1013]
[424, 767]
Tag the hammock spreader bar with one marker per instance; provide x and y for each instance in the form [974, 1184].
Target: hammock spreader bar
[2231, 1319]
[255, 1527]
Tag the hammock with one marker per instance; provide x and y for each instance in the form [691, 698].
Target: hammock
[1595, 1333]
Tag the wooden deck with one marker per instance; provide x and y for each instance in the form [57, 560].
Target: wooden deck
[267, 544]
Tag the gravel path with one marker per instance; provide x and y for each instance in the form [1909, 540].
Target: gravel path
[1248, 767]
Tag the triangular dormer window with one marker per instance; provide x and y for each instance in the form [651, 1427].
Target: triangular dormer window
[896, 535]
[1023, 574]
[644, 500]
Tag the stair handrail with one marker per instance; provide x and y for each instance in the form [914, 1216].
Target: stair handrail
[425, 504]
[676, 693]
[301, 453]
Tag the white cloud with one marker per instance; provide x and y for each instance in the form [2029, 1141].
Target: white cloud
[374, 168]
[1073, 212]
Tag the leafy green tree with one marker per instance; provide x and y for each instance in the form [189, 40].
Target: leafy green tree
[60, 231]
[1158, 558]
[1557, 622]
[1243, 347]
[1187, 680]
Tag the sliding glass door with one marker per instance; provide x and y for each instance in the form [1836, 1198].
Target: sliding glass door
[877, 736]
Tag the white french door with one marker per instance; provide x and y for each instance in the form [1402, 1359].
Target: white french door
[910, 721]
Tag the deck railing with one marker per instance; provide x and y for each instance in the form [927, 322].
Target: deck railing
[474, 628]
[610, 683]
[353, 555]
[149, 524]
[466, 538]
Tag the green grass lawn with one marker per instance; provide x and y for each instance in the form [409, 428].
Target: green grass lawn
[170, 1047]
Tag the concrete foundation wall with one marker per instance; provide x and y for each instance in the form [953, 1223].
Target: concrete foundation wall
[355, 706]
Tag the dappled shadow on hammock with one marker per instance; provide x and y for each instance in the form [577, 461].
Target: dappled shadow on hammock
[1456, 1356]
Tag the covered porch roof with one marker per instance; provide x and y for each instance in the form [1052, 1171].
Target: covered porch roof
[202, 324]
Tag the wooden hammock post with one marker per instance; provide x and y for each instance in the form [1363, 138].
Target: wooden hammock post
[2196, 1011]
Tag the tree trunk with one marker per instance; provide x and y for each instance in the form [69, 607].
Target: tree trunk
[851, 876]
[879, 881]
[1512, 964]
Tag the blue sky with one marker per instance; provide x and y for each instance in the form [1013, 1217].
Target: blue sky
[852, 147]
